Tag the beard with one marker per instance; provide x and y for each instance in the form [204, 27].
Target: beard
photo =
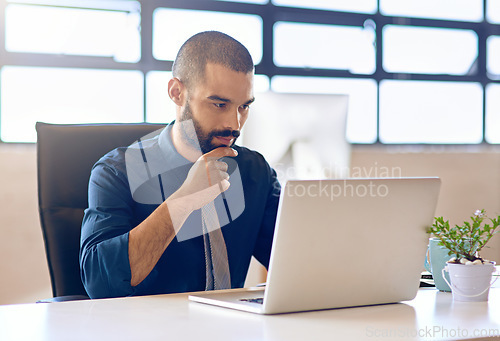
[201, 139]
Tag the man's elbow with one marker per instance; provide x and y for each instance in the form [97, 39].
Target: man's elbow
[97, 281]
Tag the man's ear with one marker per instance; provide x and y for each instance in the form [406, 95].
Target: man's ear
[177, 91]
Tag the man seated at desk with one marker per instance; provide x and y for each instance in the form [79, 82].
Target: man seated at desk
[166, 214]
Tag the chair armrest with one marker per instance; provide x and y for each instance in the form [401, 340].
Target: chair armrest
[64, 299]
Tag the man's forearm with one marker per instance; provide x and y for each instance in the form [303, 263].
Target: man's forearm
[148, 240]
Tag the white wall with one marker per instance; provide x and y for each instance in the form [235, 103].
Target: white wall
[24, 274]
[470, 181]
[470, 177]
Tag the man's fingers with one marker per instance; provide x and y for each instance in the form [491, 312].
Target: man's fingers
[221, 165]
[224, 185]
[213, 191]
[220, 152]
[217, 170]
[207, 178]
[217, 176]
[224, 176]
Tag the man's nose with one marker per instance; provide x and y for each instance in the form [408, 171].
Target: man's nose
[233, 120]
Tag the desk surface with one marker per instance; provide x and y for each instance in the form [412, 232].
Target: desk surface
[432, 315]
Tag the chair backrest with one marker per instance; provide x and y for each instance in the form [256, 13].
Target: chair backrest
[65, 156]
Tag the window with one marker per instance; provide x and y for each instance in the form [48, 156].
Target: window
[463, 10]
[412, 49]
[159, 107]
[245, 28]
[73, 31]
[360, 6]
[493, 57]
[248, 1]
[430, 112]
[416, 71]
[362, 100]
[321, 46]
[493, 113]
[493, 11]
[56, 95]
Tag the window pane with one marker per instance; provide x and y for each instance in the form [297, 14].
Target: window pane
[118, 5]
[464, 10]
[493, 113]
[248, 1]
[159, 106]
[359, 6]
[261, 83]
[362, 117]
[429, 50]
[431, 112]
[57, 95]
[58, 30]
[325, 46]
[493, 13]
[493, 57]
[246, 28]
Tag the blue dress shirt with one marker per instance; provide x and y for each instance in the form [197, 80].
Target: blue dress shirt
[117, 204]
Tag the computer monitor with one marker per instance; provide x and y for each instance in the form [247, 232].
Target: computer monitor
[302, 136]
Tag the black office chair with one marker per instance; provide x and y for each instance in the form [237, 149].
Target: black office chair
[65, 156]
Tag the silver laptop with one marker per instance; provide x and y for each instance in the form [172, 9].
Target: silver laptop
[342, 243]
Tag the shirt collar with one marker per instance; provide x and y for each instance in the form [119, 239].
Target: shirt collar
[168, 150]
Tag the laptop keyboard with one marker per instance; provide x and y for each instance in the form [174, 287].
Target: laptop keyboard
[259, 300]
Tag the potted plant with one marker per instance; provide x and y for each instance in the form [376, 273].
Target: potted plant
[470, 274]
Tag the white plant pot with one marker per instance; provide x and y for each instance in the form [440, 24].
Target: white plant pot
[470, 283]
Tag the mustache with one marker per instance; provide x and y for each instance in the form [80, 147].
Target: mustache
[226, 133]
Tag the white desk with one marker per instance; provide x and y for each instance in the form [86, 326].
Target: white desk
[431, 316]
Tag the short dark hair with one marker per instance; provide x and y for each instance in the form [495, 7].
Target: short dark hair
[210, 47]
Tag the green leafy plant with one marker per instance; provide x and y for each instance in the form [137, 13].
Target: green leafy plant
[467, 240]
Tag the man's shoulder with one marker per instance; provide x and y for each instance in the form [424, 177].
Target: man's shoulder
[117, 158]
[113, 160]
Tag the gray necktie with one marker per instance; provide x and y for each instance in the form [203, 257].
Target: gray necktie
[217, 266]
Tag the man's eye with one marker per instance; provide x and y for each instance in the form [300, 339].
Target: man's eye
[245, 106]
[220, 105]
